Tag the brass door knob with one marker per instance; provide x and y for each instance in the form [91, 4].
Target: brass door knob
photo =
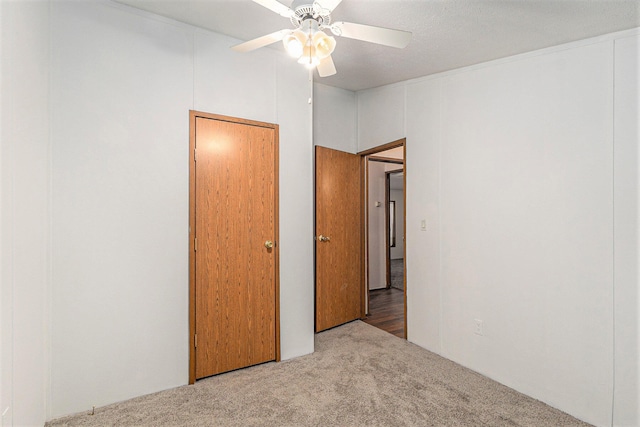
[324, 238]
[268, 244]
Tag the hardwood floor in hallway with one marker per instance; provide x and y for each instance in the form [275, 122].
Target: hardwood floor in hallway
[386, 310]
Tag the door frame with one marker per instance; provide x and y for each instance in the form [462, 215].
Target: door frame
[193, 115]
[394, 144]
[386, 212]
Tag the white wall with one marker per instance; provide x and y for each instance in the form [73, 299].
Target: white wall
[24, 213]
[512, 166]
[381, 114]
[526, 226]
[95, 205]
[626, 255]
[334, 118]
[122, 86]
[297, 285]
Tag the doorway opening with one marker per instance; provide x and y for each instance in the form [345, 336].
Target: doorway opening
[394, 228]
[385, 278]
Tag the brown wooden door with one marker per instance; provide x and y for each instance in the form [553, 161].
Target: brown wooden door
[339, 292]
[235, 273]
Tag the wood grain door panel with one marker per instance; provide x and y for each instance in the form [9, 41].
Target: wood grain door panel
[339, 289]
[235, 274]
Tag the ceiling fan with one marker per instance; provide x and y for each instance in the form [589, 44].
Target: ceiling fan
[308, 42]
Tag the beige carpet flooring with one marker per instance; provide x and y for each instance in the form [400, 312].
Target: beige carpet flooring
[358, 376]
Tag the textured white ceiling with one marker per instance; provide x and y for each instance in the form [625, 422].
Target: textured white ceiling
[447, 34]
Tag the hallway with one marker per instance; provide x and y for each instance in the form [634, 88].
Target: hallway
[386, 310]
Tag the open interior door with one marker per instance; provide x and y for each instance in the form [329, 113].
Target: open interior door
[339, 232]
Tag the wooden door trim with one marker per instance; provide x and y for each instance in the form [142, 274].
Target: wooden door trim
[192, 258]
[364, 228]
[404, 233]
[364, 244]
[193, 115]
[276, 233]
[384, 147]
[385, 159]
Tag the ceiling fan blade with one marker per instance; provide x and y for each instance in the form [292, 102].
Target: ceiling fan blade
[328, 5]
[277, 7]
[260, 41]
[369, 33]
[326, 67]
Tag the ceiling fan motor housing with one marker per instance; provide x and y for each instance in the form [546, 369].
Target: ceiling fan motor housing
[303, 11]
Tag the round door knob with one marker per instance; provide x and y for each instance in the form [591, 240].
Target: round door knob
[324, 238]
[268, 244]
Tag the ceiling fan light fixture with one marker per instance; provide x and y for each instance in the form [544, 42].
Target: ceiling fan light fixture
[309, 58]
[308, 41]
[294, 43]
[324, 44]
